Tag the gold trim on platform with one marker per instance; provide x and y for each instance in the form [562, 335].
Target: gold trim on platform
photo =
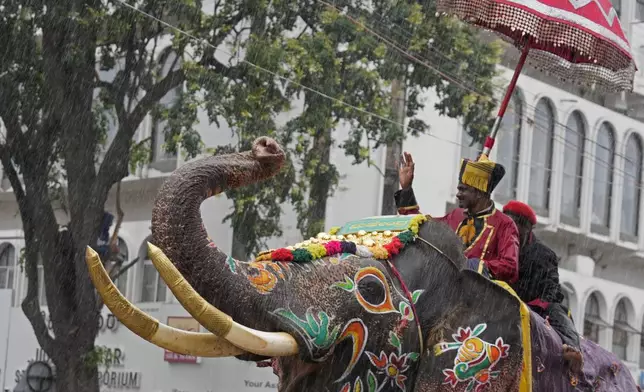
[525, 384]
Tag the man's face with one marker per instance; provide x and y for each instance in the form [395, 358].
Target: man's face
[521, 226]
[467, 196]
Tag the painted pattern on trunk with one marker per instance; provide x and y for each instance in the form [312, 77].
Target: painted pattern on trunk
[314, 329]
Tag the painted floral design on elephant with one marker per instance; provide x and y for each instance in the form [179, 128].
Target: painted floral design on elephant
[475, 358]
[387, 304]
[318, 336]
[314, 330]
[392, 366]
[357, 386]
[263, 275]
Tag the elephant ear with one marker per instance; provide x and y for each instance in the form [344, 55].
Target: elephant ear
[477, 343]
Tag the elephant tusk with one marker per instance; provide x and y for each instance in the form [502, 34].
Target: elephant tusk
[271, 344]
[199, 344]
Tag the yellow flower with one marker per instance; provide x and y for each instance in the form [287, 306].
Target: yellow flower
[317, 251]
[264, 257]
[379, 252]
[416, 222]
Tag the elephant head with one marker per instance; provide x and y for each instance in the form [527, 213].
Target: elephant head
[346, 322]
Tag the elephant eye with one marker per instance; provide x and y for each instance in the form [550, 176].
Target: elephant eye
[372, 290]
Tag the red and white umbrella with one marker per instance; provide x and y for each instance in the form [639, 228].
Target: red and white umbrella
[580, 41]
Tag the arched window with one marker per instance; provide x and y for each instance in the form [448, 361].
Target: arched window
[603, 181]
[631, 189]
[153, 288]
[508, 145]
[573, 169]
[620, 330]
[541, 161]
[591, 319]
[7, 267]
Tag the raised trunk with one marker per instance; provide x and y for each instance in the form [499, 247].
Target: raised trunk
[394, 150]
[178, 230]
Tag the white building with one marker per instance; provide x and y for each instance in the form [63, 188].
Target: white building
[578, 163]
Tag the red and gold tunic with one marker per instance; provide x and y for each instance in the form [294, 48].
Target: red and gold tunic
[493, 237]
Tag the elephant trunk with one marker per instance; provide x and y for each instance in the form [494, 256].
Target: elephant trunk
[177, 227]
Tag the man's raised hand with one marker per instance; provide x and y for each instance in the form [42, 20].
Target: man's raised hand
[406, 170]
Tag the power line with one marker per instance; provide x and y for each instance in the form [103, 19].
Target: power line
[473, 90]
[585, 154]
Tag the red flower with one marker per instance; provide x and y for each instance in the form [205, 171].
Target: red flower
[333, 248]
[502, 347]
[282, 254]
[394, 246]
[450, 377]
[480, 387]
[462, 334]
[392, 367]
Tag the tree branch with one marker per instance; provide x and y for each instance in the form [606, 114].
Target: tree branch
[31, 304]
[123, 269]
[119, 220]
[115, 165]
[220, 37]
[14, 179]
[15, 141]
[103, 84]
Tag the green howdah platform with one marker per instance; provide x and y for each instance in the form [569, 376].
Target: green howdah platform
[377, 223]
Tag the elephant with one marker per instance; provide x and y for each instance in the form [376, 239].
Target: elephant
[368, 310]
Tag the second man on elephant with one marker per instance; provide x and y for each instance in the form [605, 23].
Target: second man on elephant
[490, 238]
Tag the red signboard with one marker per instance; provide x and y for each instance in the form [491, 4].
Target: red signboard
[185, 324]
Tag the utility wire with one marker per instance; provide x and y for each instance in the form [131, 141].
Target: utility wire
[388, 120]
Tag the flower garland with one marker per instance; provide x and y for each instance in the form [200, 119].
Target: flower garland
[382, 246]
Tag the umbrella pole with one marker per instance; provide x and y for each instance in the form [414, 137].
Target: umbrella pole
[489, 141]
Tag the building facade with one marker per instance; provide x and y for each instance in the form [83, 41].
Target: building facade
[577, 161]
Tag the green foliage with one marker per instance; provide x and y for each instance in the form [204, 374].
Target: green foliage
[100, 356]
[78, 80]
[62, 115]
[344, 56]
[446, 44]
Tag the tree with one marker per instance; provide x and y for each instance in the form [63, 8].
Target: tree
[348, 52]
[310, 55]
[335, 58]
[56, 111]
[455, 49]
[251, 112]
